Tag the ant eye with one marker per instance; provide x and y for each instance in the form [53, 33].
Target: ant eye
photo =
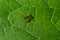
[28, 18]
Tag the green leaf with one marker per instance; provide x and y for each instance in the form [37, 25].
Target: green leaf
[53, 3]
[45, 24]
[13, 33]
[4, 22]
[34, 3]
[9, 5]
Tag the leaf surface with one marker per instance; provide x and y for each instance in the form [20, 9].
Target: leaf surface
[45, 24]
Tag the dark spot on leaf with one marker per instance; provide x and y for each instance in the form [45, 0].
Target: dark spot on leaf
[28, 18]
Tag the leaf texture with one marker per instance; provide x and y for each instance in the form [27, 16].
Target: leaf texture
[44, 26]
